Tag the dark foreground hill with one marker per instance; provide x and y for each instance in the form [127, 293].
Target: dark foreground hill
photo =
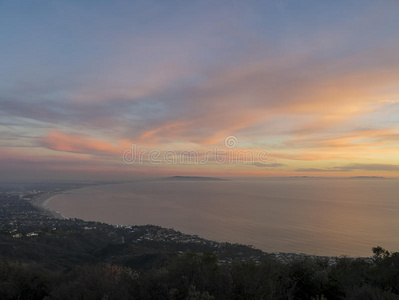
[42, 257]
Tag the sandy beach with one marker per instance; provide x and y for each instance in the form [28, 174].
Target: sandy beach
[42, 201]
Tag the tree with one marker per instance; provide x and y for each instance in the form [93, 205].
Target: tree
[380, 252]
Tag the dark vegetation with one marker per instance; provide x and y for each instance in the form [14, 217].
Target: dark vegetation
[75, 259]
[200, 276]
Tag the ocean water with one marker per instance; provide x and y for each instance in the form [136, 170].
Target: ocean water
[302, 215]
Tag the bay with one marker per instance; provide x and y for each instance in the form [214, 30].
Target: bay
[301, 215]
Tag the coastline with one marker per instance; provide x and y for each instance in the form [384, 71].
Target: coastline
[43, 200]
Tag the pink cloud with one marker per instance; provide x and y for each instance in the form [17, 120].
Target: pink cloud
[78, 143]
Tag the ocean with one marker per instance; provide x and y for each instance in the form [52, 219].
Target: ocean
[330, 217]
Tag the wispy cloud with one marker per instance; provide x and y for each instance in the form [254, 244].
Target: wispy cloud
[79, 143]
[352, 167]
[268, 165]
[368, 167]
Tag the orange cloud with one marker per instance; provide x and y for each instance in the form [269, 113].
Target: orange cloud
[78, 143]
[313, 156]
[367, 138]
[330, 93]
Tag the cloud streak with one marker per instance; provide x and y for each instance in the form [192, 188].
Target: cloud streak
[78, 143]
[352, 167]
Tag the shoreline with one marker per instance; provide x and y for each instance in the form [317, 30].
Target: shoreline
[43, 200]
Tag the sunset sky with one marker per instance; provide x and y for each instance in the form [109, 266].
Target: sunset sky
[313, 86]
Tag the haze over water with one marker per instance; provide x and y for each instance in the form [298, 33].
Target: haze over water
[315, 216]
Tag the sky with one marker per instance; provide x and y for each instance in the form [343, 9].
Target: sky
[123, 89]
